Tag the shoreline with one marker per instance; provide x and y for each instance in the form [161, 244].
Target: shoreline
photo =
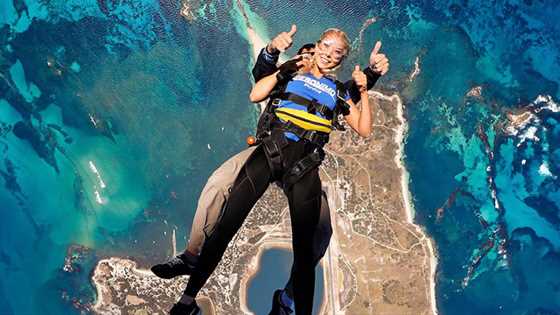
[98, 287]
[257, 40]
[254, 269]
[111, 261]
[407, 197]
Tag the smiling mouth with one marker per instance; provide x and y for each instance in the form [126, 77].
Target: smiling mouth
[324, 59]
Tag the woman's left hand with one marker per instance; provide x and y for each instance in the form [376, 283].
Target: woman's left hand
[360, 78]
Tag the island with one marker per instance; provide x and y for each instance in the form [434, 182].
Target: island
[378, 261]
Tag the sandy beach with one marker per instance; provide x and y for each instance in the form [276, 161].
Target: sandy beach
[407, 197]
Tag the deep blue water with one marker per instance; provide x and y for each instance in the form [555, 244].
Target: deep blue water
[114, 113]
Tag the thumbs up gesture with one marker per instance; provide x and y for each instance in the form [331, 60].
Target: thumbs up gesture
[378, 62]
[282, 41]
[360, 78]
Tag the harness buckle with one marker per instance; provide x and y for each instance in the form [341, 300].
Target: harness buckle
[273, 146]
[302, 167]
[338, 126]
[312, 107]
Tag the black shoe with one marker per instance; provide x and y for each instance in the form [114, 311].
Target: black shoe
[277, 307]
[179, 265]
[184, 309]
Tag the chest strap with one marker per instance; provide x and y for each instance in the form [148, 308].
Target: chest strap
[316, 137]
[273, 147]
[312, 106]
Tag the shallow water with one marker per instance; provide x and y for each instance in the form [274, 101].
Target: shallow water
[114, 113]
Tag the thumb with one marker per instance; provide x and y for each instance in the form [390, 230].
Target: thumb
[356, 68]
[376, 48]
[293, 30]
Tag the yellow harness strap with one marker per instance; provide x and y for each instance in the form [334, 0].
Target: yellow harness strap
[304, 119]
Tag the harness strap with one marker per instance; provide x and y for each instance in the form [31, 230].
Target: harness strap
[302, 167]
[312, 106]
[267, 117]
[316, 137]
[341, 107]
[273, 146]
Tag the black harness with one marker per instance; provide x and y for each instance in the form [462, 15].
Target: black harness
[270, 132]
[313, 106]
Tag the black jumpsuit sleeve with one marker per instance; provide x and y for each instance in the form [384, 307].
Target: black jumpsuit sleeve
[265, 65]
[352, 88]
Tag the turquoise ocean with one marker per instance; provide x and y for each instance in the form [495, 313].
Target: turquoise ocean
[113, 113]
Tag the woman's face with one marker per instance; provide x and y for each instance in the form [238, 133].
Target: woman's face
[329, 52]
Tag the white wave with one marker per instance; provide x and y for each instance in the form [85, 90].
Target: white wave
[550, 103]
[544, 170]
[96, 172]
[98, 198]
[524, 125]
[520, 122]
[529, 134]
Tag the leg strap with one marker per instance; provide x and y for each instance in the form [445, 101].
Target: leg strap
[273, 146]
[302, 167]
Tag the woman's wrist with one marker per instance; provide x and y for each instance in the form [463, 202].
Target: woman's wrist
[272, 51]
